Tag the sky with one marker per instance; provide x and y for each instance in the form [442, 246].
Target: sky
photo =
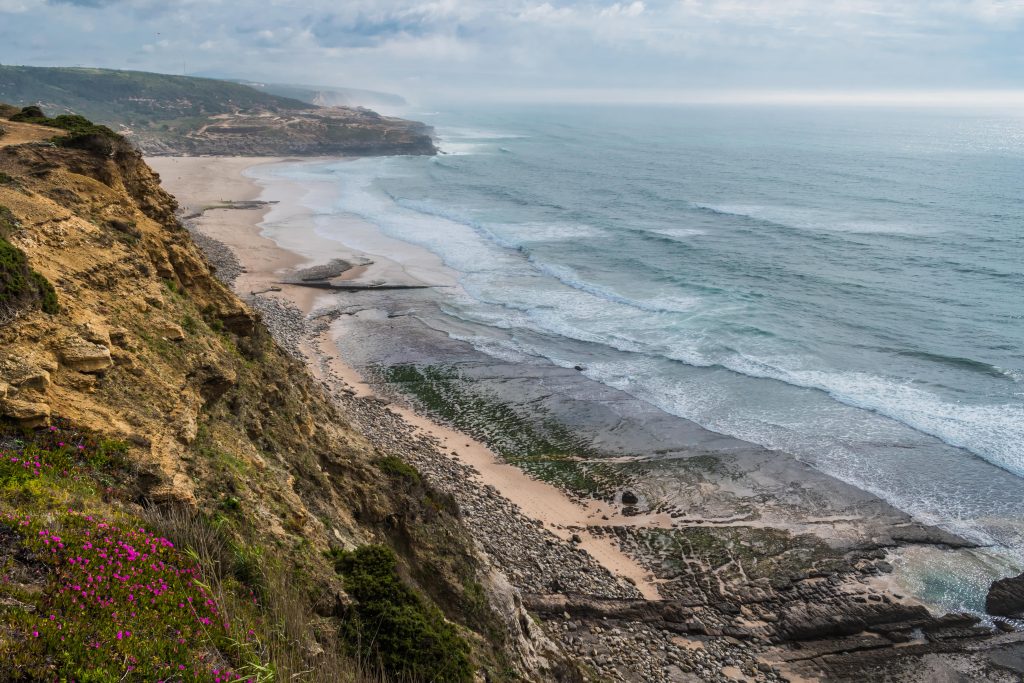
[529, 50]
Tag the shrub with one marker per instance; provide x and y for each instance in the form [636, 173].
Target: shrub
[28, 114]
[21, 288]
[392, 625]
[396, 467]
[81, 132]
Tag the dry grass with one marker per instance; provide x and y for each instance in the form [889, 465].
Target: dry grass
[287, 640]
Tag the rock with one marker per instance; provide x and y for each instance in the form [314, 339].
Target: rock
[24, 375]
[171, 331]
[95, 334]
[119, 336]
[1006, 597]
[213, 379]
[84, 356]
[26, 413]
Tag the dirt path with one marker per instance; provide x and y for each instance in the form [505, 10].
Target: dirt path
[20, 133]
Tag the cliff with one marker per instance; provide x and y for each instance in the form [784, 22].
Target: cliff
[180, 498]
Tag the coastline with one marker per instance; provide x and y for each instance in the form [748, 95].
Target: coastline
[598, 555]
[204, 184]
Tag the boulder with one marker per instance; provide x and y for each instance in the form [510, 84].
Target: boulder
[171, 332]
[26, 413]
[1006, 597]
[96, 334]
[84, 356]
[24, 375]
[119, 336]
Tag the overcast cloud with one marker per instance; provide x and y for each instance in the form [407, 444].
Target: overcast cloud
[489, 49]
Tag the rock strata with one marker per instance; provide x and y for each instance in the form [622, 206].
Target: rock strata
[79, 354]
[28, 414]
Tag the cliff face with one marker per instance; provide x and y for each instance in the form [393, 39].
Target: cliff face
[190, 421]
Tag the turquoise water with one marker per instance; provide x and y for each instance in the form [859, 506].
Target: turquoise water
[844, 285]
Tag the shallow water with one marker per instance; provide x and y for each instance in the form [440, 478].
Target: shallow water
[843, 285]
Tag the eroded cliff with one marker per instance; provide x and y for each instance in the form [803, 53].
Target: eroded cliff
[151, 409]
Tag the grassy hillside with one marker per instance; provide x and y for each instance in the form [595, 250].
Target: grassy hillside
[133, 98]
[165, 114]
[329, 96]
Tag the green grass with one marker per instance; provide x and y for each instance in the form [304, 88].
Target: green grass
[89, 593]
[134, 97]
[78, 130]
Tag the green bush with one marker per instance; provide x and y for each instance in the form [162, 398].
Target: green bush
[392, 625]
[21, 287]
[396, 467]
[28, 114]
[81, 132]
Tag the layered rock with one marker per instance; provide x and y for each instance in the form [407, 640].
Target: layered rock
[84, 356]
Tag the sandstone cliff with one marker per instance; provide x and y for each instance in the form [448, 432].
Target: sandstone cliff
[152, 402]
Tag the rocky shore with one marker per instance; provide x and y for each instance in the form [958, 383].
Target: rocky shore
[738, 601]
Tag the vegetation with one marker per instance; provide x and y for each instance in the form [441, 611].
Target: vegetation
[88, 596]
[132, 97]
[202, 115]
[80, 131]
[533, 441]
[21, 288]
[90, 592]
[398, 468]
[392, 624]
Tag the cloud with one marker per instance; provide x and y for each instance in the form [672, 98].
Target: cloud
[634, 9]
[530, 45]
[84, 3]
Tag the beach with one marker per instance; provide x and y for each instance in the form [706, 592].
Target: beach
[799, 551]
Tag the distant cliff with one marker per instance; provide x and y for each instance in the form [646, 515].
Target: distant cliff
[165, 114]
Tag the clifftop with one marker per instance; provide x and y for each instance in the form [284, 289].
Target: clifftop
[152, 419]
[165, 114]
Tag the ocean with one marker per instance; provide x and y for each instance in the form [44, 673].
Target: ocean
[844, 285]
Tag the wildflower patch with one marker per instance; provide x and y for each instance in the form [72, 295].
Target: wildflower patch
[119, 601]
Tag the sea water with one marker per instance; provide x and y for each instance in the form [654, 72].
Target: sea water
[846, 285]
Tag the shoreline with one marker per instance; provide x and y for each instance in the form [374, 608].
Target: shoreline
[575, 560]
[263, 262]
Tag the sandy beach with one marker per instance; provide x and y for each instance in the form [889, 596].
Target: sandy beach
[206, 187]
